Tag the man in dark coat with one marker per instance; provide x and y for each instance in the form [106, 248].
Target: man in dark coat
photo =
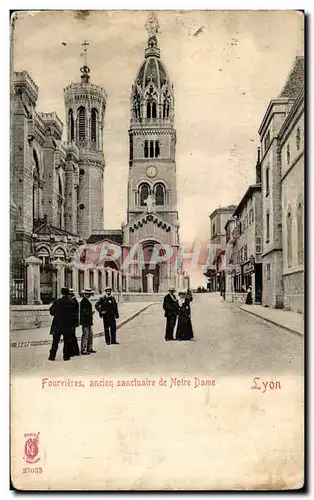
[86, 320]
[74, 343]
[171, 308]
[249, 299]
[63, 311]
[108, 311]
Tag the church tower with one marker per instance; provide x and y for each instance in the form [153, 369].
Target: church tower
[85, 105]
[152, 137]
[152, 216]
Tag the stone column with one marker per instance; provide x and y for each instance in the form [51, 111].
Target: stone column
[109, 271]
[181, 281]
[86, 278]
[74, 278]
[114, 280]
[120, 281]
[150, 278]
[59, 265]
[127, 282]
[95, 271]
[253, 286]
[33, 280]
[103, 280]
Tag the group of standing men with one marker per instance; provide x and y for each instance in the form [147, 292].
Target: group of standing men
[68, 314]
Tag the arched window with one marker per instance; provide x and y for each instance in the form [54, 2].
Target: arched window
[154, 110]
[71, 126]
[298, 138]
[151, 149]
[157, 149]
[166, 107]
[288, 154]
[144, 192]
[36, 180]
[159, 194]
[81, 123]
[300, 232]
[289, 239]
[148, 110]
[93, 132]
[146, 149]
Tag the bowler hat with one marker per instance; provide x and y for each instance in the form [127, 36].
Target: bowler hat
[65, 290]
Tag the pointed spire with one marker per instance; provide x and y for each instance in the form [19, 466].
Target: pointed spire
[85, 70]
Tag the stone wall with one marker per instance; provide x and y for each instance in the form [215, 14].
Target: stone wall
[141, 297]
[34, 316]
[293, 285]
[29, 317]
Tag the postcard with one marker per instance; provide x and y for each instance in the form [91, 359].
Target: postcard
[157, 250]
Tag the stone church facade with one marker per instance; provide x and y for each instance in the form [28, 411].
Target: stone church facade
[57, 187]
[56, 191]
[152, 215]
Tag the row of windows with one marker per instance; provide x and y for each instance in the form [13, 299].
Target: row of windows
[151, 149]
[158, 193]
[289, 233]
[242, 254]
[246, 221]
[81, 114]
[152, 111]
[297, 143]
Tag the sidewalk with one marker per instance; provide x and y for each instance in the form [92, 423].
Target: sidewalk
[291, 321]
[41, 336]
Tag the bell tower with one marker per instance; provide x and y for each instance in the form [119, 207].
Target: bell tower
[152, 136]
[85, 105]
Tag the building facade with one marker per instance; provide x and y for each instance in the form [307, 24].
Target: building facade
[291, 138]
[274, 145]
[216, 272]
[56, 189]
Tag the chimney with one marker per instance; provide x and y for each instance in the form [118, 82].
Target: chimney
[258, 167]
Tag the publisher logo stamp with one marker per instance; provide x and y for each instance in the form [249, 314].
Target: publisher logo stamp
[31, 448]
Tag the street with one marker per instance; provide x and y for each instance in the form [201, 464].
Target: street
[227, 342]
[233, 399]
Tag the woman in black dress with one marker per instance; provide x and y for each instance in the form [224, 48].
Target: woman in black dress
[184, 328]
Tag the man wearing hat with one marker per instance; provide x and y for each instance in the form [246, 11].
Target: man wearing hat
[171, 308]
[86, 320]
[75, 350]
[108, 310]
[63, 312]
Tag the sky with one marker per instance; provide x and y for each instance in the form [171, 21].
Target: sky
[225, 67]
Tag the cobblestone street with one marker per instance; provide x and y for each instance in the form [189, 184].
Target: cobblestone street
[132, 437]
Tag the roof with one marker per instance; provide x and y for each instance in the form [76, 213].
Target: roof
[247, 196]
[295, 80]
[112, 235]
[43, 228]
[227, 209]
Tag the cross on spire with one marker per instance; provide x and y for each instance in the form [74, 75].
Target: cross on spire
[85, 44]
[85, 69]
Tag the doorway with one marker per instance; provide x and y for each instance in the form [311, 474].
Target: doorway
[156, 273]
